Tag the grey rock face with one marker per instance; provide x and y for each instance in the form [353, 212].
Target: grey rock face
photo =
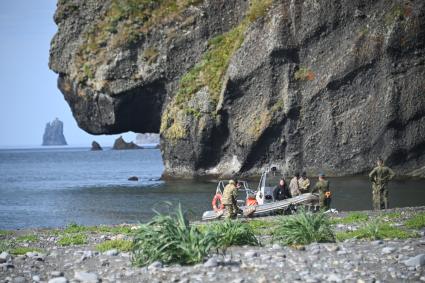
[323, 86]
[53, 133]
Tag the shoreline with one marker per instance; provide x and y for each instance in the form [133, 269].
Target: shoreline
[93, 253]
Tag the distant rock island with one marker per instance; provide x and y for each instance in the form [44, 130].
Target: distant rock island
[95, 146]
[53, 133]
[148, 138]
[120, 144]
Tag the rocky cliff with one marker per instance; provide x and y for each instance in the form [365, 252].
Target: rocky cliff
[53, 133]
[234, 86]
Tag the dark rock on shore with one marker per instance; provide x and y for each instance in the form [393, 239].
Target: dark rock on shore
[133, 178]
[95, 146]
[53, 133]
[121, 144]
[320, 86]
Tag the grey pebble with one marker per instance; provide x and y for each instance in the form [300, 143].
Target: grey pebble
[334, 278]
[36, 278]
[4, 257]
[86, 277]
[332, 248]
[211, 262]
[155, 265]
[113, 252]
[388, 250]
[251, 254]
[58, 280]
[19, 279]
[418, 260]
[56, 273]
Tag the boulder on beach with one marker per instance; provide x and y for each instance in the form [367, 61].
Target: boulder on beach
[95, 146]
[133, 178]
[121, 144]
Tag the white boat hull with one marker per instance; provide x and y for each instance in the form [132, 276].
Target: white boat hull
[304, 199]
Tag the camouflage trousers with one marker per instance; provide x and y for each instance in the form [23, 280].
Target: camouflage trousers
[324, 203]
[379, 196]
[230, 211]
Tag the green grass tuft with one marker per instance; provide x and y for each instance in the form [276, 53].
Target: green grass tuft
[233, 233]
[6, 245]
[27, 238]
[352, 217]
[417, 221]
[72, 240]
[75, 228]
[376, 230]
[24, 250]
[262, 227]
[392, 215]
[304, 228]
[6, 232]
[120, 245]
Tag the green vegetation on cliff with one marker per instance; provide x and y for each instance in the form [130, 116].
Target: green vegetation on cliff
[209, 72]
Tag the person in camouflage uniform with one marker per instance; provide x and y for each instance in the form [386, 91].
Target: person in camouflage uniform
[322, 187]
[229, 201]
[304, 183]
[380, 176]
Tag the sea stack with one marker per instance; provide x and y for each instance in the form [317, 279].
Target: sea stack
[120, 144]
[95, 146]
[53, 133]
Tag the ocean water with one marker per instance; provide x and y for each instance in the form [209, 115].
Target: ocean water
[52, 187]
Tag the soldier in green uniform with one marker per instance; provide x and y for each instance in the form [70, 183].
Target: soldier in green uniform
[322, 187]
[380, 176]
[230, 194]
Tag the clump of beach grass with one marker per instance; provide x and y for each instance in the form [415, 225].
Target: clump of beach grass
[304, 228]
[170, 239]
[233, 233]
[417, 221]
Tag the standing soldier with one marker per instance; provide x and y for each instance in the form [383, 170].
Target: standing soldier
[379, 177]
[322, 187]
[304, 183]
[230, 194]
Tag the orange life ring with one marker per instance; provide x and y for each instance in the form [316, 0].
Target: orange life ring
[220, 206]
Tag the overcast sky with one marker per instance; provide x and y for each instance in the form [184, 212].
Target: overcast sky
[29, 96]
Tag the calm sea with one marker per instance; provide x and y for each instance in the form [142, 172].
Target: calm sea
[52, 187]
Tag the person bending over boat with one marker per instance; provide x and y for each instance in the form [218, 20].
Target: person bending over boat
[229, 200]
[281, 191]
